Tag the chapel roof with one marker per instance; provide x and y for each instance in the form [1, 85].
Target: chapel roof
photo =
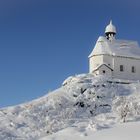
[104, 64]
[116, 47]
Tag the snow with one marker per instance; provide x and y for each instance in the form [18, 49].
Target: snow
[110, 28]
[82, 106]
[101, 66]
[116, 47]
[128, 131]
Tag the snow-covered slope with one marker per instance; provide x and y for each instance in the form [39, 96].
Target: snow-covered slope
[129, 131]
[84, 102]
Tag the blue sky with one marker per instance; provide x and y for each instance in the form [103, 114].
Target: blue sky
[42, 42]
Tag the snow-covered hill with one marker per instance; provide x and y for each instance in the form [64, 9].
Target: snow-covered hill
[84, 103]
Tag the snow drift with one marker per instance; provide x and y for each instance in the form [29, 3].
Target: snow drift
[128, 131]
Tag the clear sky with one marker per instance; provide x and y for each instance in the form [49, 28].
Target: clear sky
[42, 42]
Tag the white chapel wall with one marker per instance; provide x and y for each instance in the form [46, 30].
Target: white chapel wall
[127, 73]
[94, 62]
[108, 60]
[114, 63]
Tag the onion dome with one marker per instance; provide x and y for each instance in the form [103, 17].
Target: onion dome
[110, 28]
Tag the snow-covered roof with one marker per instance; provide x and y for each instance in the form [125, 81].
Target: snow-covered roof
[110, 28]
[116, 48]
[101, 66]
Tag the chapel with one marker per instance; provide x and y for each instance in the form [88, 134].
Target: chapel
[115, 58]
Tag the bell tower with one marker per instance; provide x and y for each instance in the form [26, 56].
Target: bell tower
[110, 31]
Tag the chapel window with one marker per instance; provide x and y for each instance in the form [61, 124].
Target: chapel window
[103, 71]
[133, 70]
[121, 68]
